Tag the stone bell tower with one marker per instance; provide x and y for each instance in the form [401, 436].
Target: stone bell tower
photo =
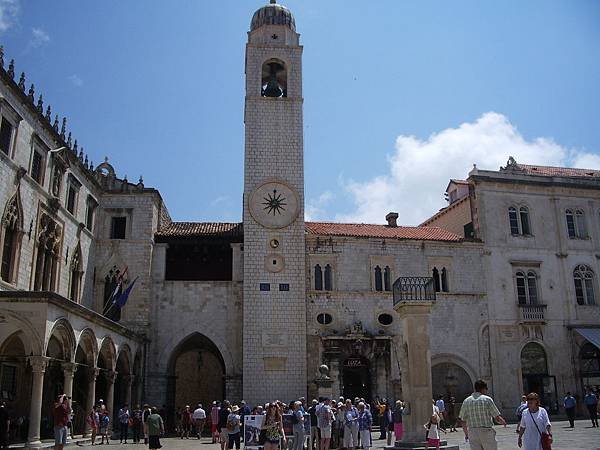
[274, 250]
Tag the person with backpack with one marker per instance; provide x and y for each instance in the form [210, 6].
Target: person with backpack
[324, 418]
[233, 428]
[298, 425]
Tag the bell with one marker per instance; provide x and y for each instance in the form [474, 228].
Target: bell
[273, 89]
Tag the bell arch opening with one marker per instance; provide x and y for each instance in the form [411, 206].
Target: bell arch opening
[274, 79]
[451, 380]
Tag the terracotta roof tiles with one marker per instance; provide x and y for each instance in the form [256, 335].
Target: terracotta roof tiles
[381, 231]
[550, 171]
[197, 229]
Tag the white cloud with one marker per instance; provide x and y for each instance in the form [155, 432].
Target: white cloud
[38, 37]
[76, 80]
[419, 170]
[315, 208]
[219, 200]
[9, 9]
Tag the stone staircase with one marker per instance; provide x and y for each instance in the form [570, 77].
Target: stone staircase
[49, 443]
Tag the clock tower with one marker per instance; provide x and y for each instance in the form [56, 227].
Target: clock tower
[274, 332]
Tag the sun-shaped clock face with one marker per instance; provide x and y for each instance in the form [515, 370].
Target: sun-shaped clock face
[274, 204]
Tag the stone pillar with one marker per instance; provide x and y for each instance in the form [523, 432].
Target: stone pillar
[69, 370]
[91, 395]
[110, 395]
[38, 367]
[416, 376]
[324, 382]
[128, 380]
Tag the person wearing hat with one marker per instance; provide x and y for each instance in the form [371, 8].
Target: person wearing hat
[186, 422]
[233, 428]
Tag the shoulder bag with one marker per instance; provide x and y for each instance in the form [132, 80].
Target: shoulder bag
[545, 437]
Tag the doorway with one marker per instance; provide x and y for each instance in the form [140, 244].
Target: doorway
[356, 376]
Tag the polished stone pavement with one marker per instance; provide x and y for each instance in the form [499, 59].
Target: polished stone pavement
[583, 437]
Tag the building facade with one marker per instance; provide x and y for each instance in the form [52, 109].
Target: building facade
[252, 309]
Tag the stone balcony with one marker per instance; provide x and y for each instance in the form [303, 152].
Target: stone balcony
[532, 313]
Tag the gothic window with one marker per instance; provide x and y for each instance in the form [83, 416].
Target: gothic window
[318, 278]
[435, 273]
[6, 134]
[387, 279]
[378, 279]
[11, 234]
[111, 281]
[444, 280]
[118, 226]
[37, 166]
[90, 212]
[533, 360]
[527, 291]
[583, 278]
[274, 79]
[76, 275]
[519, 221]
[576, 224]
[47, 260]
[71, 198]
[328, 278]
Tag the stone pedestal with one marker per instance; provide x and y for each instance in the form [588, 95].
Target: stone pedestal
[324, 382]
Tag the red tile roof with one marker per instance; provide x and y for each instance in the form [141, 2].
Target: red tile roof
[197, 229]
[235, 230]
[550, 171]
[381, 231]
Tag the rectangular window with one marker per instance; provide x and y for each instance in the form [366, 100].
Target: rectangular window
[71, 199]
[582, 234]
[89, 216]
[521, 290]
[8, 383]
[589, 292]
[579, 291]
[37, 167]
[514, 221]
[117, 229]
[6, 132]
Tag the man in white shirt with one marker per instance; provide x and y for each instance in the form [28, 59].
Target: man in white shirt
[199, 418]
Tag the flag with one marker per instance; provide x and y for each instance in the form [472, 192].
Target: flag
[122, 298]
[119, 288]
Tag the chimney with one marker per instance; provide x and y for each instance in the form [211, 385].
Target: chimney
[392, 218]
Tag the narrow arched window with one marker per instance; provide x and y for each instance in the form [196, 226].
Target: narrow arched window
[318, 278]
[524, 216]
[328, 277]
[387, 279]
[580, 222]
[521, 288]
[583, 278]
[570, 223]
[436, 279]
[10, 235]
[514, 220]
[76, 275]
[378, 279]
[444, 280]
[274, 79]
[576, 228]
[532, 290]
[49, 243]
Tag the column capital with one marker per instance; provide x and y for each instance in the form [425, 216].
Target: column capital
[69, 368]
[128, 379]
[93, 373]
[38, 363]
[111, 376]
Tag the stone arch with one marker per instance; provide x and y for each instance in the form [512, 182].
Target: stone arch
[107, 355]
[88, 344]
[17, 377]
[34, 343]
[195, 358]
[123, 380]
[451, 377]
[124, 356]
[274, 77]
[63, 332]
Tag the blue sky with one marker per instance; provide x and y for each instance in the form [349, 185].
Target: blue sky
[399, 95]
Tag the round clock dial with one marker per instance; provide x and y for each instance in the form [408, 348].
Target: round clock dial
[274, 204]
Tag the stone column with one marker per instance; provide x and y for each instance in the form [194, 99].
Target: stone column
[38, 367]
[110, 396]
[416, 376]
[69, 370]
[91, 395]
[128, 380]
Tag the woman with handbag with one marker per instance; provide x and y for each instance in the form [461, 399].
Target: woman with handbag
[535, 428]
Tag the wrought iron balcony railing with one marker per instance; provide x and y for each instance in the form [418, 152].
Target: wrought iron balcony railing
[413, 289]
[532, 313]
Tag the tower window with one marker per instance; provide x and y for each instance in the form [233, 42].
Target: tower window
[117, 229]
[378, 279]
[274, 79]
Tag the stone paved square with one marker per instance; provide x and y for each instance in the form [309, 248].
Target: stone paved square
[583, 437]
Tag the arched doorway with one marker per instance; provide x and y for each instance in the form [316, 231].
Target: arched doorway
[123, 380]
[451, 380]
[85, 358]
[196, 374]
[356, 376]
[534, 369]
[589, 362]
[53, 383]
[16, 383]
